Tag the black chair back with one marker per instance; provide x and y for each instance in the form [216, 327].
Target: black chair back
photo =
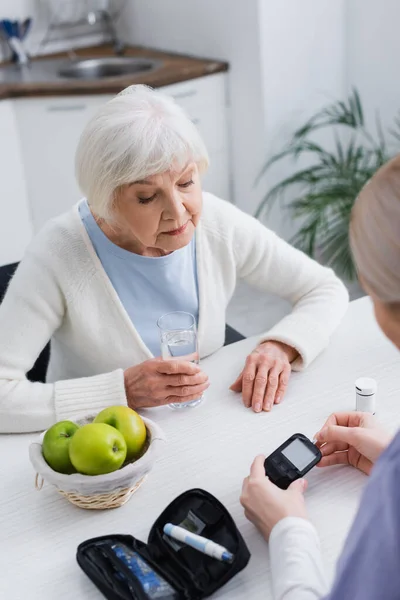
[39, 369]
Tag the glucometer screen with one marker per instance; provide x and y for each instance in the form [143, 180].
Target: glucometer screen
[298, 454]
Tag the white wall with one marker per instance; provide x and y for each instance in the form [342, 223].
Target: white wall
[302, 46]
[221, 29]
[373, 51]
[286, 60]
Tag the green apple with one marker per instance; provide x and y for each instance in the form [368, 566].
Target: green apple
[55, 446]
[97, 449]
[130, 424]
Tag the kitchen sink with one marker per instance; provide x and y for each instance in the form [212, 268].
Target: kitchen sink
[113, 66]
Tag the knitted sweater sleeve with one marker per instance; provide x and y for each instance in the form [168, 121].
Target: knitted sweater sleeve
[31, 311]
[267, 262]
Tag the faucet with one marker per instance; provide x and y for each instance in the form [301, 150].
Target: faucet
[96, 16]
[20, 54]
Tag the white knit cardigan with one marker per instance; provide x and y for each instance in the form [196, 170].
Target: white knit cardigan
[61, 292]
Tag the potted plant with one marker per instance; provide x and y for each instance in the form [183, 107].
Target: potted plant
[320, 196]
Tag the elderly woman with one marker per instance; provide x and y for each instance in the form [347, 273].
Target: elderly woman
[145, 241]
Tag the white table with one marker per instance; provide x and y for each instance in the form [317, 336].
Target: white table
[211, 447]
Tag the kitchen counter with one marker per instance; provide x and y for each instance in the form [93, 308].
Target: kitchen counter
[40, 78]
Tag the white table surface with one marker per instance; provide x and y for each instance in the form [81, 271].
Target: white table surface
[211, 447]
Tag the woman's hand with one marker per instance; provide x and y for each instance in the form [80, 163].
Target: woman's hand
[265, 504]
[265, 376]
[352, 438]
[156, 382]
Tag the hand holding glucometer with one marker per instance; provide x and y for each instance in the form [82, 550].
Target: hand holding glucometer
[292, 460]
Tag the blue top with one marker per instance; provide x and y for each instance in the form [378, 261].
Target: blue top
[369, 568]
[147, 287]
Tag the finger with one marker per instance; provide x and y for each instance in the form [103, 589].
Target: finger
[338, 458]
[260, 386]
[334, 433]
[244, 488]
[257, 469]
[180, 380]
[298, 486]
[176, 367]
[331, 420]
[188, 390]
[249, 374]
[332, 447]
[272, 386]
[237, 385]
[283, 383]
[343, 419]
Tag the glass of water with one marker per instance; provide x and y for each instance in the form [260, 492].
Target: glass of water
[178, 334]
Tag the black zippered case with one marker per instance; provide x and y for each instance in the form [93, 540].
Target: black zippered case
[164, 569]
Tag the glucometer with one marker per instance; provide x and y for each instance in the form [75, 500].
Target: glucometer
[292, 460]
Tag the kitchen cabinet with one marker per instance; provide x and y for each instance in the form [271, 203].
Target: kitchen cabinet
[15, 221]
[49, 129]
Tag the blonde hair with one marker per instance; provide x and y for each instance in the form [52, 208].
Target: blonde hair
[139, 133]
[375, 233]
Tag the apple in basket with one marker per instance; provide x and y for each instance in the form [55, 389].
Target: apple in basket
[55, 446]
[130, 424]
[116, 435]
[96, 449]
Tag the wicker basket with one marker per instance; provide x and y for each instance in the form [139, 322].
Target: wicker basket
[100, 491]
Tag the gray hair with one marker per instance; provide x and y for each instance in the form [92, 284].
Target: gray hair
[139, 133]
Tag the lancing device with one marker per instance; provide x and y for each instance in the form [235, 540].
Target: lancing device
[198, 542]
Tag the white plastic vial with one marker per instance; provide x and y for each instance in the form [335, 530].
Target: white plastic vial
[366, 388]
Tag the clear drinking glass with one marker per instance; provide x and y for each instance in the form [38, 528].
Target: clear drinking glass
[178, 333]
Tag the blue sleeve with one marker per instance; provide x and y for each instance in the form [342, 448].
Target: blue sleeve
[369, 568]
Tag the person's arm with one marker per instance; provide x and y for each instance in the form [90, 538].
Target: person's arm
[318, 297]
[368, 568]
[281, 517]
[33, 308]
[296, 565]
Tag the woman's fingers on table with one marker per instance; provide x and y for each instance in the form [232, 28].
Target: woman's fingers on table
[249, 375]
[261, 383]
[278, 378]
[238, 384]
[271, 387]
[283, 383]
